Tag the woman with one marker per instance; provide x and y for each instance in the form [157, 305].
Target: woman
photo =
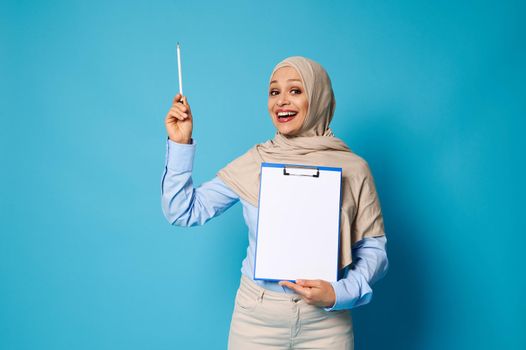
[308, 314]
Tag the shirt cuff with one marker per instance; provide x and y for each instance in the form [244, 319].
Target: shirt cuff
[180, 156]
[351, 292]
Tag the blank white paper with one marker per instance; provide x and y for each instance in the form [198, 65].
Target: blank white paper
[298, 225]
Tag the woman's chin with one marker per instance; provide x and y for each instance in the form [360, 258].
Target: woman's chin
[288, 131]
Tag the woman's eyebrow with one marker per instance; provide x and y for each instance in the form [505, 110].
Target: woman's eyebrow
[275, 81]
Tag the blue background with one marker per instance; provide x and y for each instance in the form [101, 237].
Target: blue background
[432, 95]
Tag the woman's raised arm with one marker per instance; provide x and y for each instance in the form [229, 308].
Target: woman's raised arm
[182, 203]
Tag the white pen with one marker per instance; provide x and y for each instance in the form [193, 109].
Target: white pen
[179, 69]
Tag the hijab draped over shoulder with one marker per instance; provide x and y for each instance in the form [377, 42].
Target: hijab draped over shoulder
[315, 144]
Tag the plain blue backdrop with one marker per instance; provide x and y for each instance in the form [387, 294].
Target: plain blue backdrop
[431, 94]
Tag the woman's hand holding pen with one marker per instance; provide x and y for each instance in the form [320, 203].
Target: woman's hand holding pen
[314, 292]
[179, 121]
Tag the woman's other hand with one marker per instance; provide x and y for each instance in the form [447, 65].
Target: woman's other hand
[179, 121]
[314, 292]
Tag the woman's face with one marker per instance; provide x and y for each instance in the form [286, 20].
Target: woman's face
[287, 101]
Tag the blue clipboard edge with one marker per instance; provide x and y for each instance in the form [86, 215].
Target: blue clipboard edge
[282, 165]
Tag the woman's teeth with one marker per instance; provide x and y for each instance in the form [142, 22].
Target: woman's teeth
[285, 114]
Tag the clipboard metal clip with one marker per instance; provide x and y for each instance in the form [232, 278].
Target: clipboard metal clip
[299, 170]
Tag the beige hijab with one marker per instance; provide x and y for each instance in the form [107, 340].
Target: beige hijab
[315, 144]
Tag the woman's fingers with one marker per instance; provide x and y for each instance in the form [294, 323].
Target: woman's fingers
[309, 283]
[177, 113]
[303, 283]
[177, 98]
[180, 106]
[183, 107]
[297, 288]
[176, 109]
[315, 292]
[180, 101]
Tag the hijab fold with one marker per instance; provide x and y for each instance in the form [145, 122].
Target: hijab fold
[315, 144]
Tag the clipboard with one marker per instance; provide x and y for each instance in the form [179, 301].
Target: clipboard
[298, 229]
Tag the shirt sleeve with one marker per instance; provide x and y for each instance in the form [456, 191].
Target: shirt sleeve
[182, 203]
[370, 264]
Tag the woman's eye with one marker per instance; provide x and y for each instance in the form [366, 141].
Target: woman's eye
[293, 91]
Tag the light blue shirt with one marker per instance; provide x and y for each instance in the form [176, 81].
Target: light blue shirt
[186, 205]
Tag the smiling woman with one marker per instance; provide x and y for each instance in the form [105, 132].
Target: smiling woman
[311, 314]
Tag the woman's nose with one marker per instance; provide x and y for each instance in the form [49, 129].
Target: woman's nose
[282, 101]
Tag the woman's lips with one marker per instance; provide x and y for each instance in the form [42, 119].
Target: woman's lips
[286, 118]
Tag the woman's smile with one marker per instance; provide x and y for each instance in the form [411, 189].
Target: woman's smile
[285, 115]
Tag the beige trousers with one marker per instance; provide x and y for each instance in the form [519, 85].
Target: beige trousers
[264, 319]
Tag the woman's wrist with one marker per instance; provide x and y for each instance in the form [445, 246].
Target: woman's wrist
[181, 140]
